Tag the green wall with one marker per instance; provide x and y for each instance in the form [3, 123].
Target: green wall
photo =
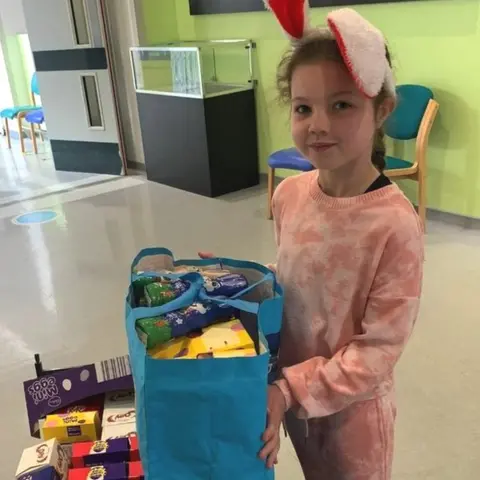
[434, 42]
[15, 65]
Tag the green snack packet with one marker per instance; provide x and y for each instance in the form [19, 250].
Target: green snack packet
[157, 294]
[153, 331]
[139, 287]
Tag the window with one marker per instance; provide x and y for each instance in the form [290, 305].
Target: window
[79, 22]
[92, 101]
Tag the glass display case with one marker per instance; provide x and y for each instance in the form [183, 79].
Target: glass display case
[194, 69]
[197, 110]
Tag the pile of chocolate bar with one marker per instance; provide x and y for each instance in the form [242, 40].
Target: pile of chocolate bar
[201, 330]
[94, 440]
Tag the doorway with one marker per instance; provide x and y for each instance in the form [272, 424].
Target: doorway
[124, 29]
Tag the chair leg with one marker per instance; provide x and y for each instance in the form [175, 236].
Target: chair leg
[20, 132]
[271, 181]
[422, 200]
[34, 138]
[7, 133]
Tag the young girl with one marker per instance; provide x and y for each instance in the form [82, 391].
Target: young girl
[350, 254]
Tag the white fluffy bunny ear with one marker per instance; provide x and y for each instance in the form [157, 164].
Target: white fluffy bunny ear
[292, 15]
[363, 50]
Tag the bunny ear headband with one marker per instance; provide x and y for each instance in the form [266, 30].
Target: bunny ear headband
[361, 44]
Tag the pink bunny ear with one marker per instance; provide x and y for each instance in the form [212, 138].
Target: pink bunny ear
[292, 16]
[363, 50]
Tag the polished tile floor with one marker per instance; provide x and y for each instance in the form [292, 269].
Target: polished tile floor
[24, 177]
[63, 285]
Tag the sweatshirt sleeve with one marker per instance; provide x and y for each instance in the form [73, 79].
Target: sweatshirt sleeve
[319, 386]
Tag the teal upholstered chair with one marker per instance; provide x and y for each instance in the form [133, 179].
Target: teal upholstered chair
[412, 119]
[290, 159]
[19, 112]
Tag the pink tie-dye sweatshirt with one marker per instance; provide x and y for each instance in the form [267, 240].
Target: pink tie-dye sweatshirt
[351, 269]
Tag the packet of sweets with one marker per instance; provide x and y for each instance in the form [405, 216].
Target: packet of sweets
[160, 293]
[158, 330]
[220, 283]
[225, 285]
[139, 289]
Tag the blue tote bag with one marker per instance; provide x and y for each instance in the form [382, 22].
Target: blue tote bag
[203, 419]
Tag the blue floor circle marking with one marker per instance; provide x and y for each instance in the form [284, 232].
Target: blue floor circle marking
[35, 218]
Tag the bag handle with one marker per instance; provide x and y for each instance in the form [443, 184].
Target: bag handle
[147, 252]
[249, 307]
[269, 277]
[197, 292]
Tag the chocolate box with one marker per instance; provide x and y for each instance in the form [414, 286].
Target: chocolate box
[124, 430]
[119, 416]
[100, 452]
[135, 471]
[132, 440]
[48, 473]
[122, 398]
[119, 409]
[114, 471]
[58, 389]
[134, 451]
[44, 456]
[72, 427]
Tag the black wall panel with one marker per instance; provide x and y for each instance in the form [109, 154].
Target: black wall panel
[204, 7]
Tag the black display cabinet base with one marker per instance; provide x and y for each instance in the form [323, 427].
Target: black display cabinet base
[204, 146]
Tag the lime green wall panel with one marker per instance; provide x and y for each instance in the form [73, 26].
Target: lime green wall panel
[434, 43]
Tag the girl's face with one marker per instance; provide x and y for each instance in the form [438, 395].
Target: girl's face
[332, 122]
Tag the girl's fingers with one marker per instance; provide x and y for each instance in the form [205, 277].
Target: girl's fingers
[267, 449]
[205, 255]
[273, 457]
[269, 433]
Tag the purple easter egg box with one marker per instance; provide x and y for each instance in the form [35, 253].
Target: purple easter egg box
[55, 389]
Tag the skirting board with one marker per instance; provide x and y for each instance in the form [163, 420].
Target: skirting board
[454, 219]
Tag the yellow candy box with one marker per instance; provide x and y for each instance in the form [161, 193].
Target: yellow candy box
[215, 339]
[242, 352]
[72, 427]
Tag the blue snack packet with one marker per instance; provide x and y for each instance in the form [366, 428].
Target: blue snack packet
[195, 317]
[225, 285]
[154, 331]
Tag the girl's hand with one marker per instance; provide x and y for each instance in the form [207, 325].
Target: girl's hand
[204, 255]
[272, 267]
[276, 412]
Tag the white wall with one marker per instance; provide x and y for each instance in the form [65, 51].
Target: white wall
[13, 19]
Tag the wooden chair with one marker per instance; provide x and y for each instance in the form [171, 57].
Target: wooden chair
[289, 159]
[412, 119]
[35, 117]
[19, 112]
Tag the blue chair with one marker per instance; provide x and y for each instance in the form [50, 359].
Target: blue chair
[19, 113]
[412, 119]
[35, 117]
[289, 159]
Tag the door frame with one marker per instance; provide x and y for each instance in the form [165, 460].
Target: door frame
[137, 32]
